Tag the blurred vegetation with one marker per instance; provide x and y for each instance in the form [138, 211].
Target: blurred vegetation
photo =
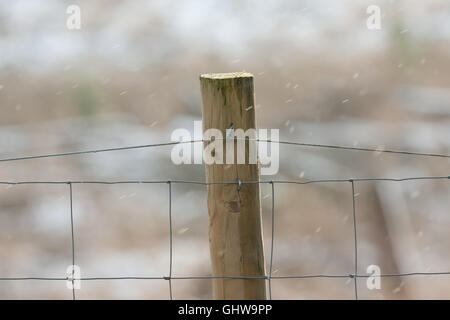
[85, 97]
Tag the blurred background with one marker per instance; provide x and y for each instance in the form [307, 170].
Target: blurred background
[129, 76]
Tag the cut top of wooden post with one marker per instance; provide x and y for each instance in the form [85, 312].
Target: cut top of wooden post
[228, 100]
[240, 79]
[227, 75]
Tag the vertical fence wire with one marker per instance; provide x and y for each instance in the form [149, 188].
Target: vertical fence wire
[355, 275]
[271, 242]
[170, 240]
[73, 241]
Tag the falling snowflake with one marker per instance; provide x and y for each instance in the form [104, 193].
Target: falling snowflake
[183, 230]
[396, 290]
[414, 194]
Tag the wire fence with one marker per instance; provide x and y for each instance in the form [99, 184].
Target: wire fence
[352, 182]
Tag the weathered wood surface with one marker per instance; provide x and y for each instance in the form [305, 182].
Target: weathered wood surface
[235, 229]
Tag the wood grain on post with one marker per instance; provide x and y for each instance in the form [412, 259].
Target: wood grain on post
[235, 228]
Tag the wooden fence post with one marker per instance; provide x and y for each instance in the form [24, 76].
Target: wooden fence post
[235, 228]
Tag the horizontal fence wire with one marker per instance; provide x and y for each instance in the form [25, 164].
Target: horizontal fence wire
[310, 276]
[302, 144]
[224, 182]
[353, 275]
